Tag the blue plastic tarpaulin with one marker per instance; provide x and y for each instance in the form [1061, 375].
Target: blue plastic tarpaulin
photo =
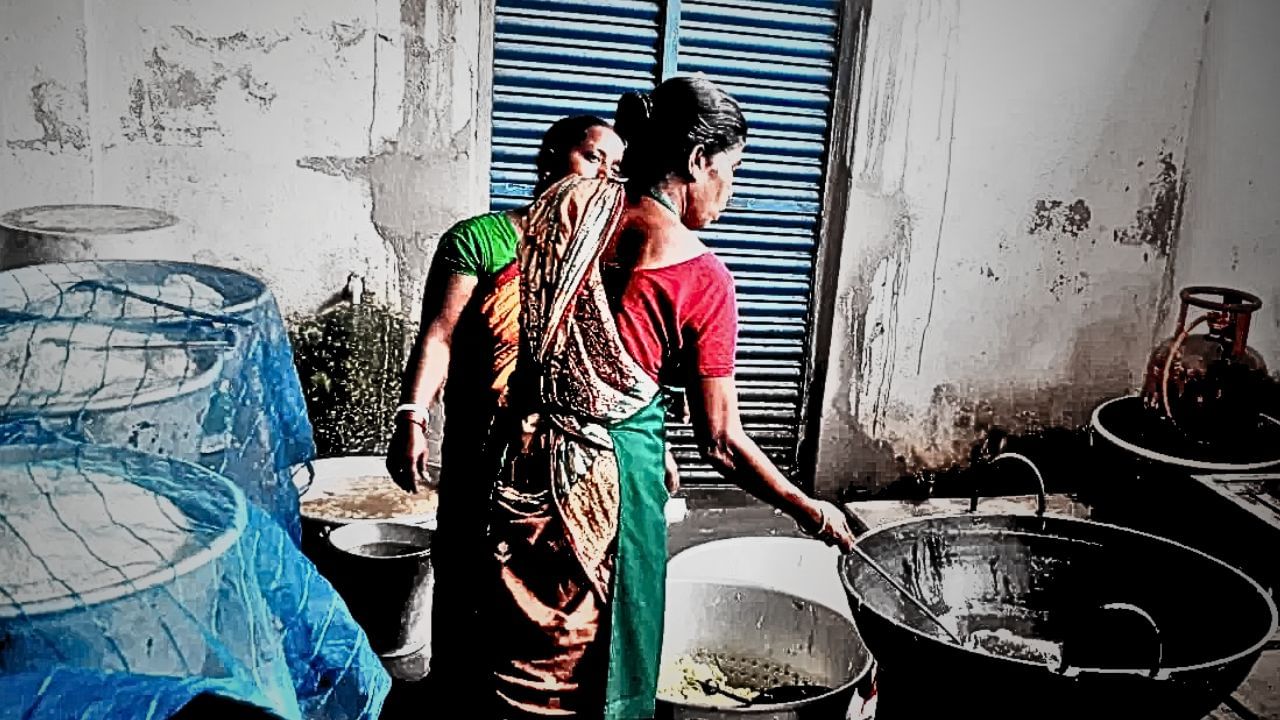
[129, 575]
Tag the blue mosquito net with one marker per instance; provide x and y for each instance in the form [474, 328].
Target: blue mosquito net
[150, 423]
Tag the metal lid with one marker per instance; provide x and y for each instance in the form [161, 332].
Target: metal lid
[87, 219]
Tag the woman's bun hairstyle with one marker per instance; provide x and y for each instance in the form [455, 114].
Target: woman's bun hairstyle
[635, 110]
[663, 127]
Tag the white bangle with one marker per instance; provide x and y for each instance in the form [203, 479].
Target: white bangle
[416, 409]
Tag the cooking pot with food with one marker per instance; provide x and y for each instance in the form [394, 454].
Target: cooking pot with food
[733, 651]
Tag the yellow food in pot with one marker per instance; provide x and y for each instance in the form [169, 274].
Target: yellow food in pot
[681, 681]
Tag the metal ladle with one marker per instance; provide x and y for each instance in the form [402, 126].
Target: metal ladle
[906, 593]
[775, 695]
[973, 507]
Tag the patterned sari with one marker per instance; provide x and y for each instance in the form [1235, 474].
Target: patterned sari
[577, 528]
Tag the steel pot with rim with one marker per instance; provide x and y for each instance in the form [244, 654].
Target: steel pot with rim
[383, 572]
[333, 492]
[759, 638]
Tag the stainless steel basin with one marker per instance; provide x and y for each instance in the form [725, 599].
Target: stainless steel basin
[761, 638]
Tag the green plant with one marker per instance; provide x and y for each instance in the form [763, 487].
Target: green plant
[350, 358]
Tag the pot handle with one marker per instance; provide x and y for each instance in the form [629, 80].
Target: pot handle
[1040, 491]
[1155, 672]
[311, 477]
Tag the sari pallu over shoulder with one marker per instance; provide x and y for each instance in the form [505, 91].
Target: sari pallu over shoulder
[586, 381]
[577, 527]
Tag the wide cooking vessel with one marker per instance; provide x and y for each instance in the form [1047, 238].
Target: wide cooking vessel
[761, 637]
[1063, 618]
[336, 491]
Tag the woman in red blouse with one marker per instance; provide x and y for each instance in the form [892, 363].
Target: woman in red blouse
[618, 296]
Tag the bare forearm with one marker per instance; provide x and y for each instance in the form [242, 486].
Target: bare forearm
[742, 461]
[426, 373]
[727, 446]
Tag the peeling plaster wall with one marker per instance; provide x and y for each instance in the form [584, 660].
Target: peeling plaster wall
[1014, 206]
[45, 148]
[1231, 235]
[300, 141]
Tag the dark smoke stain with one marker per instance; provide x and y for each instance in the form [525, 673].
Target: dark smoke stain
[1156, 225]
[963, 431]
[1078, 216]
[59, 115]
[1053, 216]
[236, 42]
[1066, 283]
[1042, 216]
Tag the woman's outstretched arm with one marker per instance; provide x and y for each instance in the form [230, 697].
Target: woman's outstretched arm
[726, 445]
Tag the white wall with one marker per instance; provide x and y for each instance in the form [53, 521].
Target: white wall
[1231, 234]
[1014, 207]
[45, 146]
[299, 141]
[1016, 185]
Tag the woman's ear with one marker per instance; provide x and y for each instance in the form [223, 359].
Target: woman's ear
[699, 163]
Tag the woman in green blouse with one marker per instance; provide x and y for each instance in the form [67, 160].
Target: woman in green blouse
[469, 334]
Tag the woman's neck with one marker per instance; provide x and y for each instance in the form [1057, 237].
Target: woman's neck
[670, 194]
[656, 236]
[519, 218]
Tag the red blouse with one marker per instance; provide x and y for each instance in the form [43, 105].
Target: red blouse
[680, 322]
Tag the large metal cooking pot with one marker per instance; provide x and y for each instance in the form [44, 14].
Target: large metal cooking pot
[803, 567]
[111, 559]
[760, 638]
[1105, 622]
[333, 492]
[113, 386]
[383, 572]
[255, 412]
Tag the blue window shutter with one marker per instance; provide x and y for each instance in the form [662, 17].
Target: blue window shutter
[779, 60]
[553, 58]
